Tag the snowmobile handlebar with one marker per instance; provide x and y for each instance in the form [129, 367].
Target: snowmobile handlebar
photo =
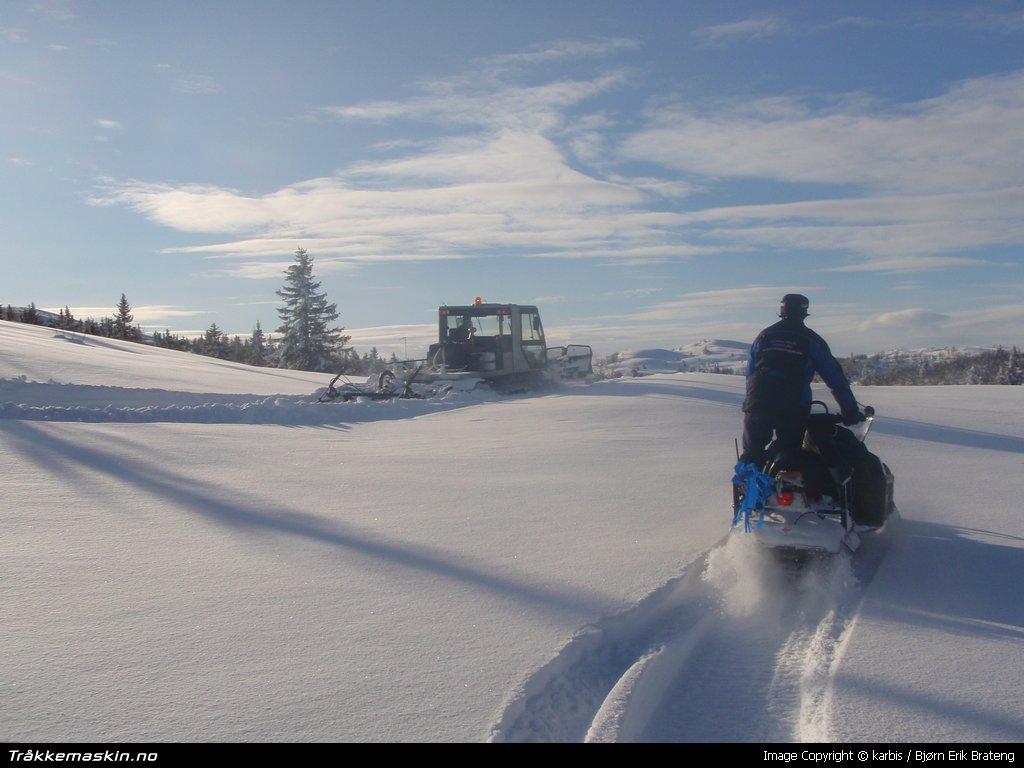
[867, 414]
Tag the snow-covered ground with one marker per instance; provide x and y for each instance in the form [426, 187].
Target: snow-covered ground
[197, 551]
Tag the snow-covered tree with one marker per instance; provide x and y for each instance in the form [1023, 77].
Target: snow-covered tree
[308, 342]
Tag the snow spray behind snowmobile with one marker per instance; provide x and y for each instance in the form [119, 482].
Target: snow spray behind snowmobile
[820, 500]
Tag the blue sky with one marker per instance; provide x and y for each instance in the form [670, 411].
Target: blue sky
[649, 173]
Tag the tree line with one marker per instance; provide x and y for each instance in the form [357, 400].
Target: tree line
[990, 366]
[948, 366]
[306, 341]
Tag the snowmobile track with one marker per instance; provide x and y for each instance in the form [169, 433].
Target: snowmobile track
[767, 637]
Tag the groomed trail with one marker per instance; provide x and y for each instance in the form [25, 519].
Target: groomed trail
[741, 648]
[35, 401]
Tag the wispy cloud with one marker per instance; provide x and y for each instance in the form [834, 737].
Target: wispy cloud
[916, 264]
[902, 319]
[999, 22]
[533, 166]
[560, 50]
[59, 10]
[514, 192]
[495, 95]
[188, 82]
[199, 84]
[925, 147]
[738, 31]
[694, 305]
[909, 180]
[508, 107]
[12, 34]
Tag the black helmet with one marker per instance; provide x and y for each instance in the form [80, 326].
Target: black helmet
[794, 305]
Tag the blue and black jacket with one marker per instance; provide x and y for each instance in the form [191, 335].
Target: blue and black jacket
[783, 360]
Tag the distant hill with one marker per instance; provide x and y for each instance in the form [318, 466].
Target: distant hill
[704, 356]
[945, 365]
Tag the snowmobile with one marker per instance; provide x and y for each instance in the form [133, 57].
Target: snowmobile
[821, 500]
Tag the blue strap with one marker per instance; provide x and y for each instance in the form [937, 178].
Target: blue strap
[757, 488]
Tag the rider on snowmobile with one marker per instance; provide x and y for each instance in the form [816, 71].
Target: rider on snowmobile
[781, 366]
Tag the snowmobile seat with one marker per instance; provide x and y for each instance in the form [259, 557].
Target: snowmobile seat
[816, 475]
[815, 470]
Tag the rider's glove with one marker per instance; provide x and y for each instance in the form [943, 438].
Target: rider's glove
[851, 417]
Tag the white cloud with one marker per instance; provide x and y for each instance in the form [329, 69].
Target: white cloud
[908, 187]
[143, 314]
[903, 319]
[869, 332]
[513, 191]
[930, 147]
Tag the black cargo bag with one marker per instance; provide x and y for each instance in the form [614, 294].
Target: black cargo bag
[872, 491]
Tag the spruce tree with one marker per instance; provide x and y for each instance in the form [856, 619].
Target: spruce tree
[308, 343]
[214, 342]
[30, 315]
[123, 320]
[257, 346]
